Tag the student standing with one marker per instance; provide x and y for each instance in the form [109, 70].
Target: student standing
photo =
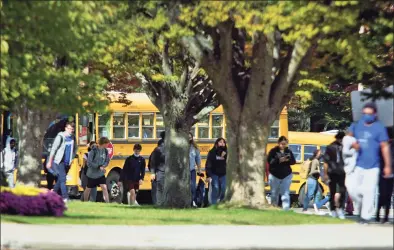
[98, 160]
[84, 177]
[216, 170]
[9, 161]
[158, 170]
[312, 183]
[194, 160]
[133, 173]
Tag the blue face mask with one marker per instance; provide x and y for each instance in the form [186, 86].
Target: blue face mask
[368, 118]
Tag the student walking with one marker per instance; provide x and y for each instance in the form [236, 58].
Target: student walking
[280, 159]
[9, 161]
[312, 184]
[133, 173]
[84, 177]
[372, 142]
[216, 170]
[386, 187]
[335, 175]
[194, 160]
[158, 170]
[98, 160]
[63, 152]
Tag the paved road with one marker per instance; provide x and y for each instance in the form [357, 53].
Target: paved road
[55, 237]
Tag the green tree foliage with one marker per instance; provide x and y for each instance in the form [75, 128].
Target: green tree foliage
[142, 44]
[45, 47]
[255, 52]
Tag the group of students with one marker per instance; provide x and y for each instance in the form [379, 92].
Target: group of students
[215, 170]
[358, 164]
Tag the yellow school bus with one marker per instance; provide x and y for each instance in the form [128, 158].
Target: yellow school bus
[141, 122]
[303, 144]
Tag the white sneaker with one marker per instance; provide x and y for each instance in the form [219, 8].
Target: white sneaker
[316, 209]
[327, 205]
[136, 203]
[194, 204]
[334, 214]
[341, 214]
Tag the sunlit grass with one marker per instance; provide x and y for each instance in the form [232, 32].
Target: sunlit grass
[116, 214]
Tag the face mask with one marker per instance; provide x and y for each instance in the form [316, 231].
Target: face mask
[369, 118]
[136, 155]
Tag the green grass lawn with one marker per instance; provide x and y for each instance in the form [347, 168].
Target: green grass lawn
[116, 214]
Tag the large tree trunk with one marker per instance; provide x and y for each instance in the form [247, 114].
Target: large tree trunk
[247, 141]
[31, 127]
[177, 173]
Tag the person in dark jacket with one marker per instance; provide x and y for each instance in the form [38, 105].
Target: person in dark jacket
[157, 166]
[216, 170]
[133, 173]
[334, 174]
[386, 186]
[84, 169]
[280, 159]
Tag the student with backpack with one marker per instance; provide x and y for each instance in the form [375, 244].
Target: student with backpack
[84, 177]
[334, 174]
[312, 184]
[98, 160]
[133, 173]
[62, 153]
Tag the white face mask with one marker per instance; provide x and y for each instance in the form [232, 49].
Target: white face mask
[136, 155]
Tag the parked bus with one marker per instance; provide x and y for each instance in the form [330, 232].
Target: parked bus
[303, 144]
[139, 122]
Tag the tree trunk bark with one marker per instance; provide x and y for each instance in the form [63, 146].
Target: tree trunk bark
[177, 192]
[247, 142]
[31, 128]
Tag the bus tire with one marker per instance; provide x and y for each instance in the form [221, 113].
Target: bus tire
[115, 191]
[301, 195]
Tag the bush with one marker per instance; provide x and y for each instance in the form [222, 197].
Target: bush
[31, 202]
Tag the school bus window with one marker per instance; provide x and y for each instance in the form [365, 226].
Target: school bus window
[308, 151]
[133, 120]
[193, 131]
[147, 125]
[217, 126]
[274, 133]
[296, 149]
[203, 128]
[118, 126]
[104, 125]
[159, 124]
[323, 149]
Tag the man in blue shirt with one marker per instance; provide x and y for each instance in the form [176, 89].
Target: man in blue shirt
[372, 141]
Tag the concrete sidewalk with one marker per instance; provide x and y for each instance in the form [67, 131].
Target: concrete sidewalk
[55, 237]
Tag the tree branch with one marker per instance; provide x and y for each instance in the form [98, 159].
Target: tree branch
[151, 90]
[166, 65]
[289, 69]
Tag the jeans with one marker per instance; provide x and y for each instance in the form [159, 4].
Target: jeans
[337, 181]
[218, 188]
[61, 180]
[312, 188]
[193, 184]
[10, 178]
[282, 187]
[160, 187]
[322, 202]
[362, 186]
